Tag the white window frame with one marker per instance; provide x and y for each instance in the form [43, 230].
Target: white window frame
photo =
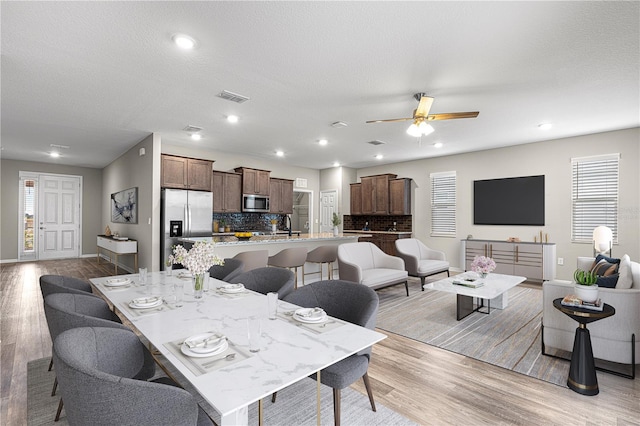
[595, 183]
[443, 204]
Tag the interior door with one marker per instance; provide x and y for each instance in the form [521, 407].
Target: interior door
[328, 205]
[59, 217]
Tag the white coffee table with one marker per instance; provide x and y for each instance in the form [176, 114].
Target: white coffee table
[494, 291]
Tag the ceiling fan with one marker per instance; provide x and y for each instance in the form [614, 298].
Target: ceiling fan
[421, 115]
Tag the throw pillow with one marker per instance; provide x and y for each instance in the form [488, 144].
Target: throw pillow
[626, 277]
[605, 266]
[608, 281]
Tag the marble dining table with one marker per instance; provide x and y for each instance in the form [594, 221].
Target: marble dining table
[289, 350]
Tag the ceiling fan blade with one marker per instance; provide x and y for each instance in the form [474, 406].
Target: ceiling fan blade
[390, 120]
[423, 107]
[452, 115]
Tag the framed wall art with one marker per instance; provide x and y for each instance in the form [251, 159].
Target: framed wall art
[124, 206]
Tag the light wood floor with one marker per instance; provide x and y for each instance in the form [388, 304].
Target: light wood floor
[430, 386]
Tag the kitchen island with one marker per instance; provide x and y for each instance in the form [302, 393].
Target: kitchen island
[228, 246]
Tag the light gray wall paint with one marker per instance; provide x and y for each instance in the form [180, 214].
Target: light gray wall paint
[91, 198]
[133, 170]
[550, 158]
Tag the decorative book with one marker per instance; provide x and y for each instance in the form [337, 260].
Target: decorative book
[468, 282]
[573, 300]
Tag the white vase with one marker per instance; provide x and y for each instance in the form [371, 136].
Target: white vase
[586, 293]
[335, 231]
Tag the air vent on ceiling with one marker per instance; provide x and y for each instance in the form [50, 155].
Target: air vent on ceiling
[339, 124]
[233, 97]
[376, 142]
[55, 145]
[192, 129]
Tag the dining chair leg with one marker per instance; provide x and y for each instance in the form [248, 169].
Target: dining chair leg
[367, 385]
[336, 407]
[60, 404]
[50, 364]
[55, 386]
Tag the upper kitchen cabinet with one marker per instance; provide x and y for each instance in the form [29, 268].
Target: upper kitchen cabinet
[281, 196]
[356, 198]
[227, 192]
[375, 194]
[186, 173]
[254, 181]
[400, 197]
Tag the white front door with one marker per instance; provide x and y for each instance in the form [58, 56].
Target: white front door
[328, 205]
[59, 217]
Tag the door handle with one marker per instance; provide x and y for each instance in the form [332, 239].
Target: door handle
[42, 227]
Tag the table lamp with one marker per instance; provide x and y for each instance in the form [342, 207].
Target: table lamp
[602, 240]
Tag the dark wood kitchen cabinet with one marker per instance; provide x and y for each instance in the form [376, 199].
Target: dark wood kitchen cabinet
[227, 192]
[356, 198]
[186, 173]
[375, 194]
[386, 241]
[281, 196]
[254, 181]
[400, 196]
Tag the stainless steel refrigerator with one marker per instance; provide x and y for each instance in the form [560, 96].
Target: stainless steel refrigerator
[184, 214]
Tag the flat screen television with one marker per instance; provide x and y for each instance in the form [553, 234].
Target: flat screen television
[509, 201]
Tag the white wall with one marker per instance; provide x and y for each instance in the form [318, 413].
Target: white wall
[550, 158]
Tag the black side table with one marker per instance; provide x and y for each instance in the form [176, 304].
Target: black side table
[582, 373]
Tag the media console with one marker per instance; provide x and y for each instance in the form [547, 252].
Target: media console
[536, 261]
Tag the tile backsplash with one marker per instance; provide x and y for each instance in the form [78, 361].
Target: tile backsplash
[378, 223]
[250, 221]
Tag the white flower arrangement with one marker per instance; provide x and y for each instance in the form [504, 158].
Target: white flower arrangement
[199, 259]
[483, 264]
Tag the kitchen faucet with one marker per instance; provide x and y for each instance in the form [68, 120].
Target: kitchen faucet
[288, 221]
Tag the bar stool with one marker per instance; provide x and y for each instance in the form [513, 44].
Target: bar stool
[324, 254]
[290, 258]
[253, 259]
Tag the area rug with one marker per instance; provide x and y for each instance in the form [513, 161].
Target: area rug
[509, 338]
[296, 405]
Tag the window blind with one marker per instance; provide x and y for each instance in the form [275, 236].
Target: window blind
[443, 204]
[594, 196]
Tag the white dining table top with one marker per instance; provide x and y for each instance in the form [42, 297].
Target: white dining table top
[288, 352]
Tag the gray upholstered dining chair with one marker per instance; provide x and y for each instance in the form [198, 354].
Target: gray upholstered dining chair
[231, 269]
[62, 284]
[348, 301]
[97, 367]
[266, 280]
[65, 311]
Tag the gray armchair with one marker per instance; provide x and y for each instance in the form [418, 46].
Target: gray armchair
[419, 260]
[96, 368]
[265, 280]
[231, 269]
[355, 303]
[62, 284]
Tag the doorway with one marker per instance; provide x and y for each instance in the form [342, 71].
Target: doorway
[328, 205]
[50, 223]
[302, 217]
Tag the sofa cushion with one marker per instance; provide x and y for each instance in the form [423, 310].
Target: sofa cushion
[609, 281]
[429, 267]
[626, 278]
[605, 266]
[375, 277]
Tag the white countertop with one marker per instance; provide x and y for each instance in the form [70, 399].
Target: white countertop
[279, 238]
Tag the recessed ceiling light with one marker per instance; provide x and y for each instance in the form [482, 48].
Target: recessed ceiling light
[184, 41]
[336, 164]
[545, 126]
[323, 142]
[232, 118]
[196, 136]
[379, 157]
[438, 145]
[54, 154]
[280, 153]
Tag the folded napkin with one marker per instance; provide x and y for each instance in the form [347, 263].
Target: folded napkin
[213, 340]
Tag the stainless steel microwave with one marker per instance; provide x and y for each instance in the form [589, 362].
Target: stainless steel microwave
[255, 203]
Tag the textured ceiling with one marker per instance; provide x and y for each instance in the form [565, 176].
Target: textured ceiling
[99, 76]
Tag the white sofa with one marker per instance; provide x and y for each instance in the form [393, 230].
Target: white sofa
[366, 264]
[419, 260]
[612, 338]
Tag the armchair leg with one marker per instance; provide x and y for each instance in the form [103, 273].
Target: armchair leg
[448, 273]
[336, 407]
[422, 283]
[50, 364]
[406, 286]
[55, 386]
[367, 385]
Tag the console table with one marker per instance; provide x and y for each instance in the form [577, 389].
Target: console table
[536, 261]
[116, 248]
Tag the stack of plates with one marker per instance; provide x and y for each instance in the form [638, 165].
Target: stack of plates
[146, 302]
[232, 288]
[117, 282]
[204, 345]
[310, 315]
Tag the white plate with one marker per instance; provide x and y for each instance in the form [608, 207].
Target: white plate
[116, 282]
[188, 352]
[232, 288]
[209, 348]
[151, 302]
[310, 315]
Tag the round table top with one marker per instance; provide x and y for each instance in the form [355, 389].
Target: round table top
[584, 315]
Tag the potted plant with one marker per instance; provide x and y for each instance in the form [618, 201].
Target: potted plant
[585, 285]
[336, 221]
